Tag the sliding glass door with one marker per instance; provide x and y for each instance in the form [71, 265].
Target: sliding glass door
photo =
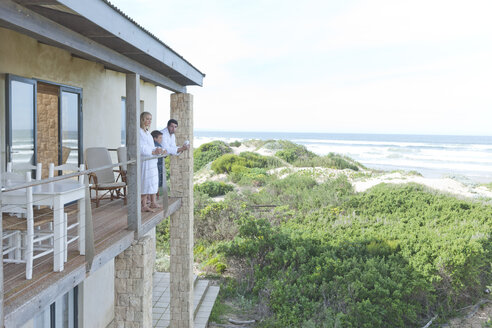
[43, 122]
[71, 126]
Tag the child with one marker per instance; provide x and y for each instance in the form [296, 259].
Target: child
[157, 135]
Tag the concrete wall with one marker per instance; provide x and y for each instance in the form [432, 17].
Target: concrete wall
[102, 88]
[29, 324]
[96, 298]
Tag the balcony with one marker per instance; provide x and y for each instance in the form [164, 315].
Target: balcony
[111, 236]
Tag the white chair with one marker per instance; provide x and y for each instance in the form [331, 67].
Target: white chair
[68, 239]
[23, 167]
[22, 242]
[66, 167]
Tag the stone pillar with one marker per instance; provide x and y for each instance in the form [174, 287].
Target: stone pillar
[181, 229]
[133, 285]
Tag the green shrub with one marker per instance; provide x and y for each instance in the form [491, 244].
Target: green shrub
[235, 144]
[213, 188]
[384, 258]
[255, 160]
[292, 152]
[301, 192]
[224, 163]
[209, 152]
[162, 235]
[331, 160]
[218, 221]
[227, 162]
[249, 176]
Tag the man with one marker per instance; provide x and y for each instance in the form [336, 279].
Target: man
[169, 139]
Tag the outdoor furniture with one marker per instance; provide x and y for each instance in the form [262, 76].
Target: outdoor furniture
[65, 154]
[22, 243]
[23, 167]
[103, 179]
[122, 158]
[57, 195]
[69, 238]
[66, 167]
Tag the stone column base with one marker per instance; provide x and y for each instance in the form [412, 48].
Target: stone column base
[133, 285]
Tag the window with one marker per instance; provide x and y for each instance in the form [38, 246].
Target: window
[21, 120]
[123, 121]
[70, 126]
[62, 313]
[43, 122]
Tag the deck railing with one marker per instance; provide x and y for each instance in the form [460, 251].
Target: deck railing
[43, 215]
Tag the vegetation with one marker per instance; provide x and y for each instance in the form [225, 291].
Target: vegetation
[331, 160]
[213, 188]
[229, 162]
[208, 152]
[292, 152]
[308, 254]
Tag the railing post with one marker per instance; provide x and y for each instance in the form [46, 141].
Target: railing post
[181, 227]
[133, 151]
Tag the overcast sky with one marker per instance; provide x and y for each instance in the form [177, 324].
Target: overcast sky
[356, 66]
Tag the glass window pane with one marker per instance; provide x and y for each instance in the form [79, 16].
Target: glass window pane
[43, 319]
[22, 148]
[70, 130]
[61, 311]
[123, 121]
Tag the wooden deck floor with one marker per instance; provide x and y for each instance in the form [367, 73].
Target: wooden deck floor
[110, 229]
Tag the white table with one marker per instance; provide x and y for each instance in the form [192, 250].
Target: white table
[57, 195]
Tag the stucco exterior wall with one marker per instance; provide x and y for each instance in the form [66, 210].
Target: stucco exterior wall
[96, 298]
[102, 88]
[2, 117]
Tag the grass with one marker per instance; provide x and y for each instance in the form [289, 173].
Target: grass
[220, 310]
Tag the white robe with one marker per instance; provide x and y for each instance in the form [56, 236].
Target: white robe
[150, 174]
[169, 142]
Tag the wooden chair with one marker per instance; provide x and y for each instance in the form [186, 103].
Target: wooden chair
[69, 235]
[22, 243]
[103, 180]
[122, 158]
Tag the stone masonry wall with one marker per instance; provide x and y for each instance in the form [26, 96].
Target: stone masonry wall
[181, 228]
[133, 285]
[47, 125]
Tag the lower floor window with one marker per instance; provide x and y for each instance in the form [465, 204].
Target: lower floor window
[60, 314]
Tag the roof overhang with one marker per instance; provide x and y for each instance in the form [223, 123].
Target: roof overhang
[97, 31]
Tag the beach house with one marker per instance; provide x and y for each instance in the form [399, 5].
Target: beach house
[76, 75]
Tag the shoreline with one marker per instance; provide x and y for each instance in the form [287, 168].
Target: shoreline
[431, 160]
[448, 185]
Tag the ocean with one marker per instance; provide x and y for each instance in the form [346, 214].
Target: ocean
[466, 158]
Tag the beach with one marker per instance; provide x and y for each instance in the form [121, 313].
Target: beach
[365, 179]
[464, 158]
[461, 166]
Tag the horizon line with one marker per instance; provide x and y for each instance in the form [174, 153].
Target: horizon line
[359, 133]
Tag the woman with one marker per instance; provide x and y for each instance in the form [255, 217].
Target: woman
[150, 175]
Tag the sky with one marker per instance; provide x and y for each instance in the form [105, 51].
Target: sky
[353, 66]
